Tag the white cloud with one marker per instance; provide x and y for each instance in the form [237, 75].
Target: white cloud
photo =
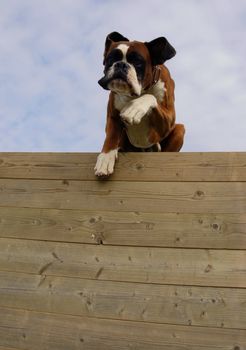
[51, 59]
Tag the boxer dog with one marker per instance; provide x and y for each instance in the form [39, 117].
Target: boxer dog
[140, 113]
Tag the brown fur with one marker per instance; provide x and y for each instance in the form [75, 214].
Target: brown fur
[162, 119]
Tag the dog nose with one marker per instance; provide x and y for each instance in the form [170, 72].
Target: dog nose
[121, 66]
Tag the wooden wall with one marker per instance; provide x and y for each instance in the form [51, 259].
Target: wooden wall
[154, 258]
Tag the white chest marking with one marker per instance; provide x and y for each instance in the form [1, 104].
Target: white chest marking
[138, 128]
[120, 101]
[158, 90]
[135, 116]
[138, 134]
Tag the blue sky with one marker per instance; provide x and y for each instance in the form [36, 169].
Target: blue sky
[51, 58]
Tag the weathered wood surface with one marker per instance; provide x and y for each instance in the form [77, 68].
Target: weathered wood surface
[225, 268]
[224, 231]
[130, 167]
[7, 348]
[153, 258]
[214, 307]
[167, 197]
[41, 331]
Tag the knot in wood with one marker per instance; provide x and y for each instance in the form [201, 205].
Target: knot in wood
[208, 268]
[139, 166]
[216, 226]
[199, 194]
[98, 237]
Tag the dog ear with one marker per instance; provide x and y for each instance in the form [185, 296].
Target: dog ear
[160, 50]
[112, 37]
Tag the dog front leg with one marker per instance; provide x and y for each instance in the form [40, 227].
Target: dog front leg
[135, 110]
[106, 159]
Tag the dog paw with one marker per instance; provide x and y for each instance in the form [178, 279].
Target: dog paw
[135, 110]
[105, 163]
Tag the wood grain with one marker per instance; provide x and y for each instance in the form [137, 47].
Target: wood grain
[206, 306]
[130, 166]
[8, 348]
[41, 331]
[151, 258]
[167, 197]
[225, 268]
[224, 231]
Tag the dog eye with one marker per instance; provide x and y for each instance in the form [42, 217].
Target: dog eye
[114, 56]
[136, 59]
[138, 63]
[110, 61]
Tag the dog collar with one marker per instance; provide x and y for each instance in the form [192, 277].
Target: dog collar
[156, 77]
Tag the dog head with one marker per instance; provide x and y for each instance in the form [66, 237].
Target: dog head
[129, 65]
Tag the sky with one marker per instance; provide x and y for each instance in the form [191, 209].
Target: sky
[51, 59]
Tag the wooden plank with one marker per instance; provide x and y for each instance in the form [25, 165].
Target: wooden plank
[225, 268]
[120, 228]
[7, 348]
[198, 306]
[130, 167]
[168, 197]
[40, 331]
